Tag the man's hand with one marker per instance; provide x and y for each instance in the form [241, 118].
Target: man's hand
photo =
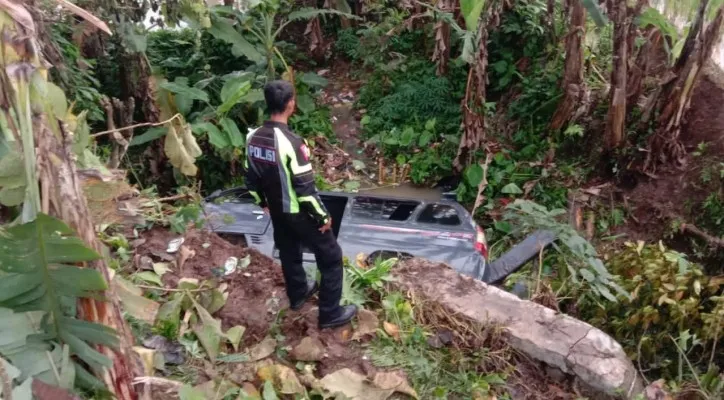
[266, 210]
[326, 226]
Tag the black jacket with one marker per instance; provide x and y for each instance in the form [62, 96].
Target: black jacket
[279, 172]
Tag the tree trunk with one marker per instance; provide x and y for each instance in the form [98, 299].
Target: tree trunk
[62, 196]
[665, 145]
[473, 105]
[641, 67]
[573, 83]
[441, 53]
[616, 119]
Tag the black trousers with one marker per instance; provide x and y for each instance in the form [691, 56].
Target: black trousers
[291, 231]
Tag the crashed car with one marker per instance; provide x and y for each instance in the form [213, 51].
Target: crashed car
[383, 227]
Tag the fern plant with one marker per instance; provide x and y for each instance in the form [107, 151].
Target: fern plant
[39, 290]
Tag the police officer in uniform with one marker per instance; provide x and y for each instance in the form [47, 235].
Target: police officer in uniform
[279, 175]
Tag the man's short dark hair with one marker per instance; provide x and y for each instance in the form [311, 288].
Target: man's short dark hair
[278, 94]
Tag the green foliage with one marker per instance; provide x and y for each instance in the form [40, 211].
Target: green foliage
[413, 95]
[76, 75]
[349, 44]
[185, 215]
[670, 298]
[436, 373]
[359, 280]
[583, 266]
[201, 300]
[428, 152]
[42, 286]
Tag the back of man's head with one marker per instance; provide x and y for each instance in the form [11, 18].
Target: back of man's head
[278, 94]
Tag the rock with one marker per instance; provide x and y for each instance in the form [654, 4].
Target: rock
[173, 352]
[309, 349]
[442, 338]
[556, 339]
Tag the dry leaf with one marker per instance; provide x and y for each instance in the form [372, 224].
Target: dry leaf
[85, 15]
[367, 324]
[361, 260]
[284, 379]
[309, 349]
[19, 14]
[394, 381]
[251, 391]
[148, 359]
[184, 255]
[392, 330]
[353, 385]
[263, 349]
[133, 302]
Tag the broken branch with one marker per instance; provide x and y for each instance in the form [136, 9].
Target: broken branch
[483, 183]
[712, 240]
[145, 124]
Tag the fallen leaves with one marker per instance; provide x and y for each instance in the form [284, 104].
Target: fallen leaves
[133, 302]
[367, 323]
[208, 331]
[392, 330]
[283, 378]
[263, 349]
[356, 386]
[394, 381]
[309, 349]
[184, 255]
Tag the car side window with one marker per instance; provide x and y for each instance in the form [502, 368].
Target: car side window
[440, 214]
[375, 208]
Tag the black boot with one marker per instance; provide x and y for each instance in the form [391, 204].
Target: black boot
[344, 317]
[312, 288]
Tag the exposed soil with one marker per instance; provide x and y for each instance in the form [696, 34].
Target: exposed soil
[651, 202]
[705, 121]
[256, 296]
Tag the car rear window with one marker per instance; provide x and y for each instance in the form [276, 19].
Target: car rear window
[440, 214]
[374, 208]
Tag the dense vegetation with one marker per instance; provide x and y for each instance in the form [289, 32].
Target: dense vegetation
[554, 114]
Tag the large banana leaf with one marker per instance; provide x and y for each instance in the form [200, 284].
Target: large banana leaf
[595, 12]
[21, 343]
[471, 10]
[37, 259]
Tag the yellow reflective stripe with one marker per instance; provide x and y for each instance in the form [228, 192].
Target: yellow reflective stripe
[286, 147]
[315, 204]
[256, 197]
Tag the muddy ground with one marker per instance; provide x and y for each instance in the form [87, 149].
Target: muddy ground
[653, 202]
[256, 297]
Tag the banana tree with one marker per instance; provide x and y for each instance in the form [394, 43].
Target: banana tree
[264, 21]
[40, 175]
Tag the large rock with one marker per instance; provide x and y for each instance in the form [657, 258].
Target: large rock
[556, 339]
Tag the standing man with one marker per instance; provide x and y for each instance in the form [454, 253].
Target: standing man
[279, 175]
